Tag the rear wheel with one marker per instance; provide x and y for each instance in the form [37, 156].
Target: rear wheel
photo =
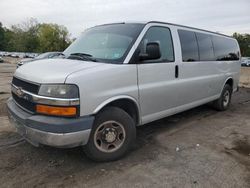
[112, 135]
[223, 102]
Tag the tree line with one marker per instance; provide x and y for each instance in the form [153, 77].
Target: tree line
[32, 36]
[244, 42]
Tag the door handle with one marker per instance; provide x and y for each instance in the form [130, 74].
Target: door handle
[176, 71]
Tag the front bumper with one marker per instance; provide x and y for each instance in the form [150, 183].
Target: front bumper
[51, 131]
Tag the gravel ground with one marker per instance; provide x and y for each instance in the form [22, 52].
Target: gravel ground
[245, 77]
[197, 148]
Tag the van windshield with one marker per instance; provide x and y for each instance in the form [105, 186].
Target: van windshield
[106, 43]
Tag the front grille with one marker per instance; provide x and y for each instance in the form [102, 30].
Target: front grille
[27, 86]
[30, 106]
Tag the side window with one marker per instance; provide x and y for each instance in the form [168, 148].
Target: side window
[225, 49]
[189, 45]
[205, 47]
[162, 35]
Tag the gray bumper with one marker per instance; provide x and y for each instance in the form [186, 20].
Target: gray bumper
[52, 131]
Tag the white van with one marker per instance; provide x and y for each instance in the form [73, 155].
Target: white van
[115, 77]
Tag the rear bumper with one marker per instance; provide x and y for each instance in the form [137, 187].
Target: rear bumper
[52, 131]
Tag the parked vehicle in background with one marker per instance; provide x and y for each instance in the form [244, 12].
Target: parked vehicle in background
[1, 59]
[115, 77]
[46, 55]
[2, 53]
[245, 61]
[14, 55]
[31, 55]
[18, 54]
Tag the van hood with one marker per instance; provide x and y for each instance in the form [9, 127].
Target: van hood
[52, 70]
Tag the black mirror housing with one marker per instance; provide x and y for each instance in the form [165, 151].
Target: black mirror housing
[152, 51]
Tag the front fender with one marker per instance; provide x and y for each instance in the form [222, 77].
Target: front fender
[108, 101]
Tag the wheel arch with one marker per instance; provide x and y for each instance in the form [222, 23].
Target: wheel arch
[228, 81]
[127, 103]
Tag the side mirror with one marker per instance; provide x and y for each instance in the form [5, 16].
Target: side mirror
[152, 51]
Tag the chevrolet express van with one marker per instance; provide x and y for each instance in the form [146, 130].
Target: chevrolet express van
[115, 77]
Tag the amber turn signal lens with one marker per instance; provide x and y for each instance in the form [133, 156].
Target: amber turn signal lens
[55, 110]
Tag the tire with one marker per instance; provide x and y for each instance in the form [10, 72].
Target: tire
[111, 123]
[223, 102]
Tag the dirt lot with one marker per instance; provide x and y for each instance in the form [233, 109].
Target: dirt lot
[214, 151]
[245, 77]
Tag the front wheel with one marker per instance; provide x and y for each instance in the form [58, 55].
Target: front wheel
[112, 135]
[223, 102]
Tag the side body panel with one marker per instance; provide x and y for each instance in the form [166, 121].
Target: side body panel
[204, 79]
[199, 79]
[161, 94]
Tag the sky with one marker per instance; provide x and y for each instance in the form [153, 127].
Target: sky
[224, 16]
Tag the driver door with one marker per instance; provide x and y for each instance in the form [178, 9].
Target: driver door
[157, 78]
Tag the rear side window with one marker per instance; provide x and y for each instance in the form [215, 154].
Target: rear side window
[205, 47]
[162, 35]
[189, 46]
[225, 49]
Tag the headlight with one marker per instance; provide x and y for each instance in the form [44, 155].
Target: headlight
[59, 91]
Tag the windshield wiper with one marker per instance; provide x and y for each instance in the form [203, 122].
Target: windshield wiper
[82, 56]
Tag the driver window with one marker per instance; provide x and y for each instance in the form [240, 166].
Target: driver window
[162, 36]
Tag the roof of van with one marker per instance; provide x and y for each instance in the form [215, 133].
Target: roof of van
[160, 22]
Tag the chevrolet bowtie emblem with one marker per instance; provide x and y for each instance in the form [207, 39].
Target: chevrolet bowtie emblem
[19, 92]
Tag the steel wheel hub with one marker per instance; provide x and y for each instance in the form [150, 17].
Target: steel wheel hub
[109, 136]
